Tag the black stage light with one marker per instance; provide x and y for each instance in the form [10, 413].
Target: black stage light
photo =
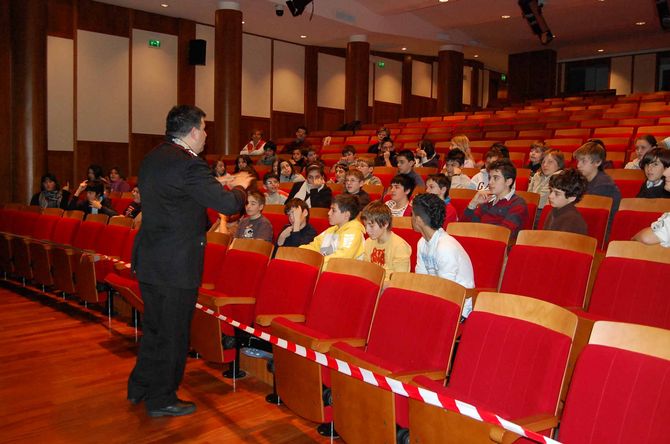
[663, 7]
[297, 6]
[532, 12]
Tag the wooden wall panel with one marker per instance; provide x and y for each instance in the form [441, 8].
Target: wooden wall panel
[60, 18]
[210, 144]
[185, 71]
[419, 106]
[104, 18]
[61, 164]
[385, 112]
[250, 123]
[154, 22]
[284, 123]
[329, 118]
[532, 75]
[140, 145]
[5, 103]
[105, 154]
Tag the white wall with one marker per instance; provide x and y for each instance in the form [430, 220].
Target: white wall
[331, 81]
[644, 73]
[288, 90]
[154, 81]
[388, 82]
[256, 75]
[204, 75]
[422, 78]
[60, 94]
[620, 73]
[102, 87]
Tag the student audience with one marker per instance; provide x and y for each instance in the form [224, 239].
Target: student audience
[643, 144]
[95, 203]
[366, 166]
[382, 133]
[298, 231]
[566, 188]
[313, 191]
[94, 172]
[313, 157]
[535, 156]
[51, 194]
[426, 155]
[659, 232]
[439, 185]
[438, 253]
[400, 191]
[298, 160]
[255, 145]
[299, 142]
[405, 161]
[134, 208]
[269, 154]
[386, 154]
[219, 168]
[116, 182]
[287, 173]
[273, 195]
[654, 163]
[463, 143]
[340, 173]
[353, 182]
[383, 247]
[498, 205]
[348, 156]
[590, 160]
[345, 237]
[452, 169]
[552, 163]
[243, 161]
[254, 225]
[480, 181]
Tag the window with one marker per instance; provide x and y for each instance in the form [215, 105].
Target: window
[663, 71]
[588, 75]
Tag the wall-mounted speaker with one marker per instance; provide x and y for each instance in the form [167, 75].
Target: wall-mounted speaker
[197, 52]
[663, 7]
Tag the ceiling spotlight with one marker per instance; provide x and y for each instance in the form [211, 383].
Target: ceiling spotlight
[243, 22]
[303, 36]
[403, 49]
[601, 50]
[505, 16]
[443, 1]
[164, 5]
[476, 56]
[640, 23]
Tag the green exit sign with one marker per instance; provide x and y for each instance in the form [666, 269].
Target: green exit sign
[503, 77]
[155, 43]
[381, 64]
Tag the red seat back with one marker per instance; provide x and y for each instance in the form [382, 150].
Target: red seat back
[246, 267]
[628, 223]
[44, 227]
[277, 294]
[487, 257]
[87, 235]
[66, 230]
[120, 204]
[112, 240]
[214, 256]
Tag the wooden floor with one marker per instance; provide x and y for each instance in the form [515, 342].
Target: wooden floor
[63, 374]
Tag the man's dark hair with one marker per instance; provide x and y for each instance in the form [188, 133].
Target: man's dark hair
[428, 147]
[406, 182]
[661, 154]
[269, 176]
[181, 119]
[494, 152]
[387, 139]
[430, 208]
[571, 182]
[594, 151]
[441, 180]
[96, 186]
[270, 145]
[407, 154]
[296, 203]
[348, 149]
[649, 138]
[506, 168]
[51, 177]
[97, 170]
[301, 127]
[456, 155]
[504, 151]
[348, 202]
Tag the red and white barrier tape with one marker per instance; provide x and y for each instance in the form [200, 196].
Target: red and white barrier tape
[393, 385]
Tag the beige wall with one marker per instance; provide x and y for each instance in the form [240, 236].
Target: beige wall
[485, 87]
[288, 90]
[154, 81]
[644, 76]
[60, 94]
[620, 74]
[102, 87]
[331, 79]
[388, 82]
[434, 94]
[422, 78]
[467, 84]
[204, 75]
[256, 75]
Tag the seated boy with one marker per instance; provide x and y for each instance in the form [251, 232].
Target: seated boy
[438, 184]
[313, 157]
[348, 156]
[134, 208]
[590, 160]
[566, 188]
[386, 155]
[480, 180]
[95, 203]
[269, 151]
[366, 166]
[273, 195]
[400, 191]
[438, 253]
[298, 160]
[345, 237]
[298, 231]
[535, 155]
[353, 181]
[654, 163]
[254, 225]
[405, 160]
[659, 232]
[452, 169]
[383, 247]
[498, 205]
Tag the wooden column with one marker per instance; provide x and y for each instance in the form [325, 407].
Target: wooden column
[474, 84]
[532, 75]
[5, 102]
[406, 88]
[185, 71]
[228, 78]
[449, 80]
[311, 87]
[28, 87]
[357, 72]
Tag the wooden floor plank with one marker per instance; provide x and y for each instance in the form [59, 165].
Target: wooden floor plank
[63, 380]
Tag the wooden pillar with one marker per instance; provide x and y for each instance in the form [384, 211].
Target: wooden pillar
[450, 79]
[475, 93]
[311, 87]
[357, 72]
[228, 77]
[185, 71]
[5, 102]
[406, 88]
[532, 75]
[28, 90]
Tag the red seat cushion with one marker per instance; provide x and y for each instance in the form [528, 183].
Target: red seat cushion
[617, 396]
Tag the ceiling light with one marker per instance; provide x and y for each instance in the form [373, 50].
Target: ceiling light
[505, 16]
[243, 22]
[164, 5]
[476, 55]
[403, 49]
[601, 50]
[443, 1]
[303, 36]
[640, 23]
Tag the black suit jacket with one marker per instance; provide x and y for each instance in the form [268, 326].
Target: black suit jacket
[176, 188]
[317, 198]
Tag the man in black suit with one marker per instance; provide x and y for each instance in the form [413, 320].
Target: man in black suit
[176, 187]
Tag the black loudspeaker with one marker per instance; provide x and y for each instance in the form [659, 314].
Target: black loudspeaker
[663, 7]
[197, 52]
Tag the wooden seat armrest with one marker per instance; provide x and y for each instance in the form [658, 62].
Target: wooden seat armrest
[119, 267]
[266, 319]
[407, 376]
[434, 376]
[536, 423]
[343, 355]
[207, 286]
[473, 292]
[221, 301]
[323, 345]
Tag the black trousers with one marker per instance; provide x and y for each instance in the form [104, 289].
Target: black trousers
[164, 345]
